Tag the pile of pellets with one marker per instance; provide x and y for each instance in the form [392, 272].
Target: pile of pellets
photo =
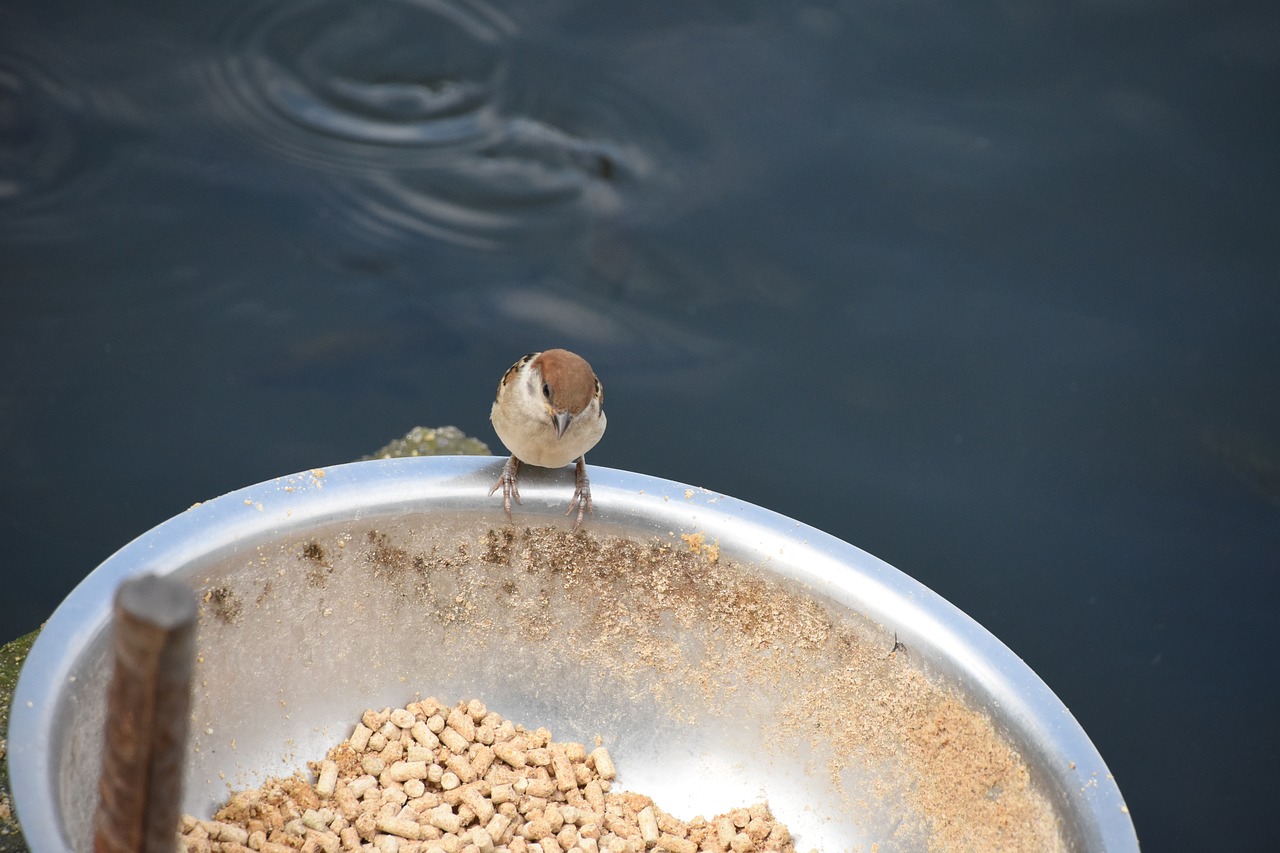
[431, 779]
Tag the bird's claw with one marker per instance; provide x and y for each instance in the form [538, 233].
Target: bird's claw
[509, 482]
[581, 500]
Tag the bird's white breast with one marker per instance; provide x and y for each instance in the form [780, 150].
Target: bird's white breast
[524, 426]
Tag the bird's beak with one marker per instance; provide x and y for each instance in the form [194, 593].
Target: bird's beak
[561, 420]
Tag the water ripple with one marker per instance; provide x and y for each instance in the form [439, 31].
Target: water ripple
[532, 181]
[432, 123]
[350, 84]
[44, 163]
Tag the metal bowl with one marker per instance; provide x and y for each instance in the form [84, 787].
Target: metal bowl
[724, 653]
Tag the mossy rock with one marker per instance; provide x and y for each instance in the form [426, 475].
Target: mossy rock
[433, 441]
[12, 656]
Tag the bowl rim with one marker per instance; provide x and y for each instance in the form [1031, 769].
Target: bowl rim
[1029, 711]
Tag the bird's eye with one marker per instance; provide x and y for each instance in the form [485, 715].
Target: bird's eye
[546, 390]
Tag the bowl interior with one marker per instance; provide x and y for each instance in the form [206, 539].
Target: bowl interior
[720, 670]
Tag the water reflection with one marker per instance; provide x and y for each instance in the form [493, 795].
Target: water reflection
[643, 346]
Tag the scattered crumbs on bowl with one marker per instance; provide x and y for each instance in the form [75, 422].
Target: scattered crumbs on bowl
[688, 494]
[697, 543]
[967, 787]
[224, 604]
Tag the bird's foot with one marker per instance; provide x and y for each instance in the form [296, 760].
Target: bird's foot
[581, 500]
[508, 481]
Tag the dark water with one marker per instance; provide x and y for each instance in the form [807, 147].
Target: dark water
[990, 290]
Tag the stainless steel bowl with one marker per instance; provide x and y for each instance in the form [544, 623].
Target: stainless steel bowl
[725, 653]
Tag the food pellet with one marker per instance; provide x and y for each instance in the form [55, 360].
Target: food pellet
[431, 779]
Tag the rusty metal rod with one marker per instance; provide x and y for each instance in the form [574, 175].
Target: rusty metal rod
[148, 707]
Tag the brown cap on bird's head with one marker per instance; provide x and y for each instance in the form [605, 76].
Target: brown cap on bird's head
[568, 383]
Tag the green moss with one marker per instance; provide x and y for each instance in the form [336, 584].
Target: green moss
[11, 657]
[428, 441]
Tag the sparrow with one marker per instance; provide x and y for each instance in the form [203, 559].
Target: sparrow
[549, 411]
